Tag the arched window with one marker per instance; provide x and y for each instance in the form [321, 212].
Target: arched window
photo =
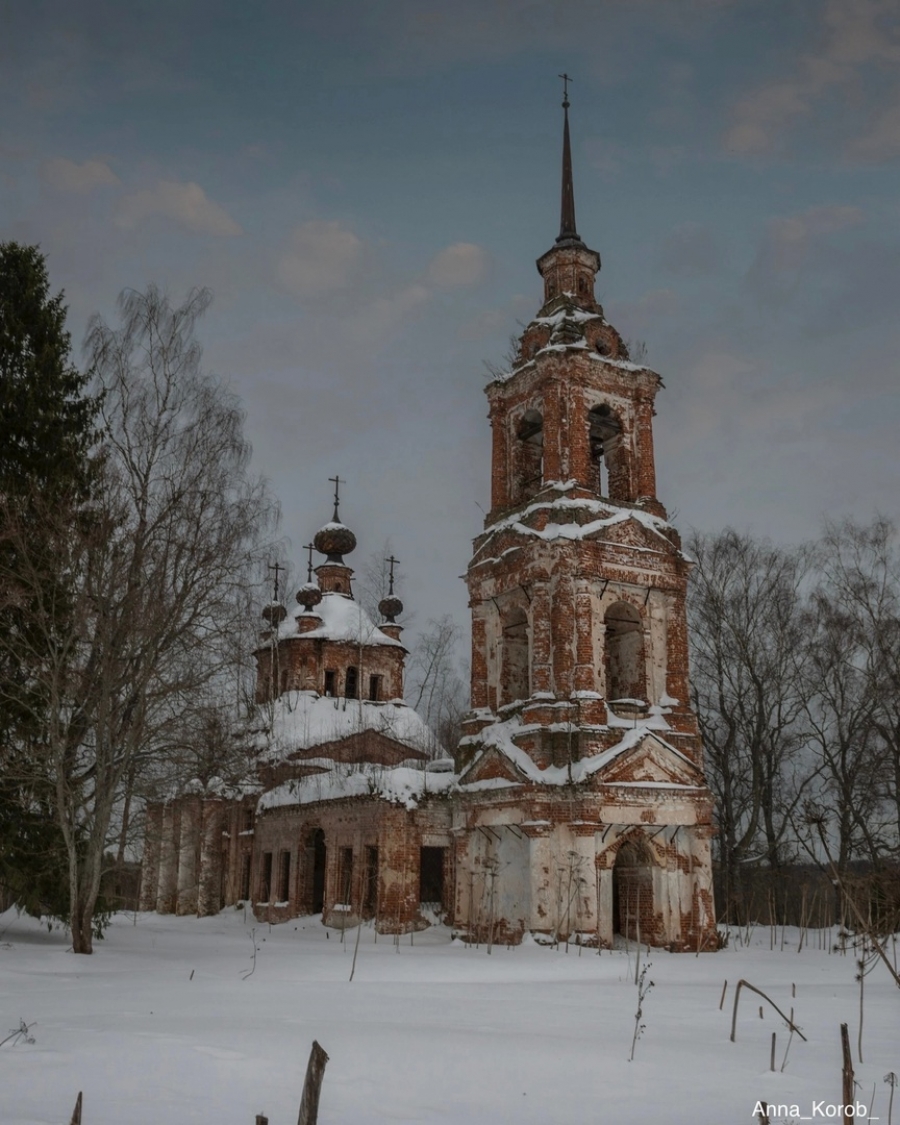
[605, 436]
[529, 456]
[514, 678]
[625, 671]
[351, 688]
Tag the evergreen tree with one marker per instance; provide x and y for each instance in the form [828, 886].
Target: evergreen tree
[47, 422]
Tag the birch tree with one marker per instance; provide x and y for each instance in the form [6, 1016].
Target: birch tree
[157, 570]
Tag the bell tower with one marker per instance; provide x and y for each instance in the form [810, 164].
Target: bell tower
[577, 590]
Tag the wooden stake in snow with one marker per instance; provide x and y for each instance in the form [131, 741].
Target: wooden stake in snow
[76, 1112]
[312, 1086]
[724, 990]
[847, 1075]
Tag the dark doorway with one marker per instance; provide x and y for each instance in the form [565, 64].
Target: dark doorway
[370, 888]
[431, 876]
[632, 893]
[318, 879]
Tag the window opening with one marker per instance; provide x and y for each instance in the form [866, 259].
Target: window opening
[514, 675]
[604, 436]
[266, 890]
[374, 688]
[351, 682]
[370, 891]
[345, 888]
[625, 672]
[284, 877]
[330, 682]
[319, 858]
[431, 876]
[245, 876]
[529, 467]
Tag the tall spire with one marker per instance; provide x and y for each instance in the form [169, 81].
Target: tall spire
[567, 228]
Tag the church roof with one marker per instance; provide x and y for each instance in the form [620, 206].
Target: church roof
[342, 619]
[301, 720]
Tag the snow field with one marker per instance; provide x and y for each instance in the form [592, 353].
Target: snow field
[433, 1032]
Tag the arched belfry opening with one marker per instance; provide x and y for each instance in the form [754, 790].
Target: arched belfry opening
[626, 676]
[514, 680]
[633, 891]
[529, 456]
[607, 454]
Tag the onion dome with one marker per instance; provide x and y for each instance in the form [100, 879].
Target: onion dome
[334, 540]
[274, 613]
[389, 607]
[309, 595]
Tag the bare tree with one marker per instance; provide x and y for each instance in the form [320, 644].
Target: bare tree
[435, 687]
[747, 680]
[859, 596]
[156, 577]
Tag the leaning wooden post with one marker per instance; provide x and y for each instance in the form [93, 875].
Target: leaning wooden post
[847, 1075]
[261, 1119]
[76, 1113]
[312, 1086]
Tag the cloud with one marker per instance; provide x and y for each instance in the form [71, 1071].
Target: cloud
[691, 250]
[461, 264]
[882, 141]
[187, 204]
[322, 257]
[66, 175]
[856, 36]
[787, 245]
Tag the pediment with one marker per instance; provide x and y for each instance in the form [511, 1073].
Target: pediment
[491, 765]
[370, 746]
[652, 759]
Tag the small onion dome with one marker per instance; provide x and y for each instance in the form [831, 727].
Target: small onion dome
[389, 607]
[274, 613]
[309, 595]
[334, 540]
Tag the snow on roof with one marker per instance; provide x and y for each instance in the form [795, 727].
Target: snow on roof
[301, 720]
[608, 515]
[499, 737]
[400, 785]
[343, 619]
[568, 312]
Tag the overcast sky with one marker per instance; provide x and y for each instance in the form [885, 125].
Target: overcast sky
[365, 187]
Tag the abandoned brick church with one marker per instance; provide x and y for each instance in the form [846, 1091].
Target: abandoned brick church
[575, 803]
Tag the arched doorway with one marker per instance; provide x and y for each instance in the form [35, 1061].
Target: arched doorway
[625, 672]
[633, 892]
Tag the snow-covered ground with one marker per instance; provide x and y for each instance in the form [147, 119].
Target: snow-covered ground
[164, 1025]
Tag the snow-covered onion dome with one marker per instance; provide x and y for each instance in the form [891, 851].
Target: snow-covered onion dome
[334, 540]
[390, 607]
[309, 595]
[274, 613]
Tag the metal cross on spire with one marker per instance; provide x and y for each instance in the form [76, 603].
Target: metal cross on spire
[392, 562]
[567, 229]
[309, 548]
[337, 482]
[566, 80]
[277, 567]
